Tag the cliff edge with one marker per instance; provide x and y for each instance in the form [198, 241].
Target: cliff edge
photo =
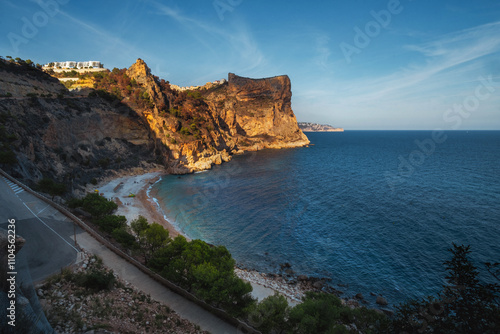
[133, 119]
[208, 125]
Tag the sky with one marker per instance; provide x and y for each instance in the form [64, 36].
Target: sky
[360, 65]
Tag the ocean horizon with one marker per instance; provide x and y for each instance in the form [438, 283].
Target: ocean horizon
[374, 211]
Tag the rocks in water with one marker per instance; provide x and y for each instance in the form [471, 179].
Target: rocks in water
[318, 285]
[303, 278]
[381, 301]
[359, 296]
[285, 265]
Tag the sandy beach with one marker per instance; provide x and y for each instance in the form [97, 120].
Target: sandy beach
[120, 190]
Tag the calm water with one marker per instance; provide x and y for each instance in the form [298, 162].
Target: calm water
[370, 209]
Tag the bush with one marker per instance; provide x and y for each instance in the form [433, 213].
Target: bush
[271, 314]
[318, 313]
[95, 280]
[7, 156]
[124, 238]
[185, 131]
[206, 271]
[47, 185]
[111, 222]
[98, 206]
[195, 94]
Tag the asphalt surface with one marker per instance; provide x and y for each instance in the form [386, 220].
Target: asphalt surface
[49, 246]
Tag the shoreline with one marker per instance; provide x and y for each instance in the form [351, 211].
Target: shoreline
[292, 287]
[118, 189]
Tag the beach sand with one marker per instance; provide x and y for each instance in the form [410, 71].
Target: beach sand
[120, 188]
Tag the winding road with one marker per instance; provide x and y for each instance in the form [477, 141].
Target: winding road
[50, 246]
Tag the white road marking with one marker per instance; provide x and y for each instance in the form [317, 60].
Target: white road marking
[15, 188]
[39, 212]
[50, 228]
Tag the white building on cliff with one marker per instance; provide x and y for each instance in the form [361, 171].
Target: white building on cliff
[74, 64]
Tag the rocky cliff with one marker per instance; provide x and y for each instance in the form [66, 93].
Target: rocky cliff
[208, 125]
[134, 119]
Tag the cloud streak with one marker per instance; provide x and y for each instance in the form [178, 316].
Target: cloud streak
[236, 41]
[445, 68]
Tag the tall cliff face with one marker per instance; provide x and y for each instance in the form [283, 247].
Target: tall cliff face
[260, 110]
[134, 119]
[218, 121]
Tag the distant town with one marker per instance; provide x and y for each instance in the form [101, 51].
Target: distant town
[313, 127]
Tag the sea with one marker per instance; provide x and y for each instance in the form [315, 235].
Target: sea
[376, 212]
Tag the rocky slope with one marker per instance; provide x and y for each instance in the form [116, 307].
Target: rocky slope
[133, 119]
[219, 121]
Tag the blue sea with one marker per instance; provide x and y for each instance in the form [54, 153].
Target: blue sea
[375, 211]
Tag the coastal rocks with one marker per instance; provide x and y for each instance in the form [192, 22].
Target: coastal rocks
[239, 115]
[302, 278]
[318, 285]
[285, 265]
[381, 301]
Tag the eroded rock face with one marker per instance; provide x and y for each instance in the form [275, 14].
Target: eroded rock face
[70, 139]
[74, 139]
[239, 115]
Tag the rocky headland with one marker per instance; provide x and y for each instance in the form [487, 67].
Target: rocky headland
[314, 127]
[133, 120]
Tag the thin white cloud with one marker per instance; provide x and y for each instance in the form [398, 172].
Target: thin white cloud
[448, 53]
[104, 36]
[446, 71]
[236, 39]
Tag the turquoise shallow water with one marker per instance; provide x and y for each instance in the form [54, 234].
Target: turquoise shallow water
[373, 210]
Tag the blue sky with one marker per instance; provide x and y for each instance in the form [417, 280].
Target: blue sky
[409, 64]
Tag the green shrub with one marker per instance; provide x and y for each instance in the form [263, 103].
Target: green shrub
[195, 94]
[98, 206]
[109, 223]
[206, 271]
[7, 156]
[95, 280]
[271, 314]
[124, 238]
[47, 185]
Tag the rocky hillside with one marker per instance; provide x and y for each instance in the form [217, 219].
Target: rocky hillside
[133, 119]
[313, 127]
[206, 126]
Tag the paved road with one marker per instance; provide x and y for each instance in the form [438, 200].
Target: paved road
[50, 245]
[47, 232]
